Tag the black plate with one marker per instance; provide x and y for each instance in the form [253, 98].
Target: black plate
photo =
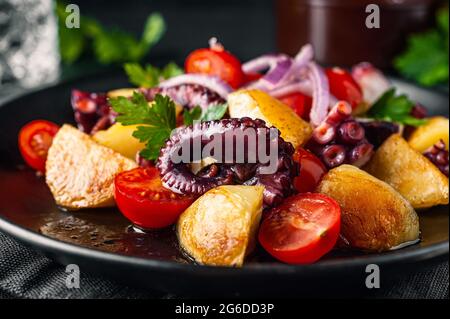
[99, 241]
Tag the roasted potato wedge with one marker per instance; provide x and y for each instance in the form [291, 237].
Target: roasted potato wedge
[220, 227]
[258, 104]
[425, 136]
[80, 172]
[120, 138]
[375, 217]
[410, 173]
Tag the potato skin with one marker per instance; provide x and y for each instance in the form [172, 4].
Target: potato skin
[120, 139]
[259, 104]
[410, 173]
[425, 136]
[125, 92]
[219, 228]
[374, 216]
[80, 172]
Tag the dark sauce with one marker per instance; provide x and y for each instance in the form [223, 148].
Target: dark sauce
[26, 201]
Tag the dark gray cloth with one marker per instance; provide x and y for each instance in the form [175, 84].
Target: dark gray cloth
[26, 274]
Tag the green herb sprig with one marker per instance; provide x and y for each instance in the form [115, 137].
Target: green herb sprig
[108, 46]
[150, 76]
[395, 108]
[157, 120]
[426, 57]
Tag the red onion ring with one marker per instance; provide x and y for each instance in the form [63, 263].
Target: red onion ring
[321, 94]
[303, 87]
[262, 63]
[210, 82]
[282, 69]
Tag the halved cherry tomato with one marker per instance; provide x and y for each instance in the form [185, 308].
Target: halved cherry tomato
[142, 198]
[299, 102]
[35, 139]
[302, 229]
[251, 77]
[216, 61]
[344, 87]
[311, 171]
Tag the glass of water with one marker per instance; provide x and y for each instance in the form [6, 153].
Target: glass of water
[29, 53]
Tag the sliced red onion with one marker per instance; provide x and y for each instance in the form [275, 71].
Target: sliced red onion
[303, 57]
[262, 63]
[321, 94]
[304, 87]
[211, 82]
[274, 76]
[371, 80]
[278, 73]
[282, 69]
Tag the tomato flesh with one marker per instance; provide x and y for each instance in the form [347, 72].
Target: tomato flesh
[344, 87]
[218, 62]
[302, 229]
[35, 139]
[251, 77]
[142, 198]
[311, 171]
[300, 103]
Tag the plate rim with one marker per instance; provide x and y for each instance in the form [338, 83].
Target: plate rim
[48, 244]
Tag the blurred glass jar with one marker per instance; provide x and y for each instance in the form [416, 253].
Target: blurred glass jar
[337, 28]
[29, 53]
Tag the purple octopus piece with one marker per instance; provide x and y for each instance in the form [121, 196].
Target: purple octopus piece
[92, 111]
[179, 176]
[187, 95]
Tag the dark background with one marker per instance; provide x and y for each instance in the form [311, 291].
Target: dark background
[245, 27]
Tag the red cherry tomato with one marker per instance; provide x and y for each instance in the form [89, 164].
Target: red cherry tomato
[216, 61]
[344, 87]
[302, 229]
[299, 102]
[35, 139]
[311, 171]
[251, 77]
[141, 198]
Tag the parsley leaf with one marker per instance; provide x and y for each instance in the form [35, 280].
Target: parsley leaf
[150, 76]
[156, 120]
[213, 112]
[108, 46]
[390, 107]
[426, 57]
[189, 116]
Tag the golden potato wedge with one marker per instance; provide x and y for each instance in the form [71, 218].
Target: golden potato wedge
[127, 92]
[80, 172]
[375, 217]
[410, 173]
[425, 136]
[258, 104]
[220, 227]
[120, 138]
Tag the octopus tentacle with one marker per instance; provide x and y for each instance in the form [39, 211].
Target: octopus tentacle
[178, 176]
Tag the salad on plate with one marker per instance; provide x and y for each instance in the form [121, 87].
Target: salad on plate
[277, 151]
